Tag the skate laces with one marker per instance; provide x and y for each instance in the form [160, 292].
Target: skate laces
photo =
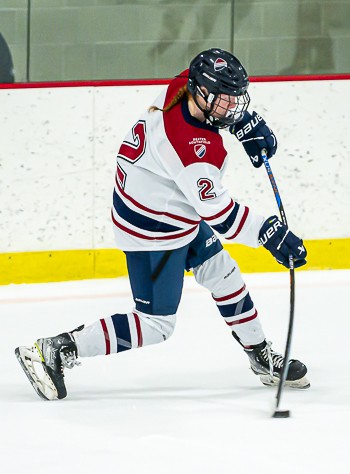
[273, 358]
[69, 358]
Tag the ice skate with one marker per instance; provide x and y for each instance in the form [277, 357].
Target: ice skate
[268, 365]
[44, 364]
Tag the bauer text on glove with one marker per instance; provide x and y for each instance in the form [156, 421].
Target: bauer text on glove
[281, 242]
[255, 136]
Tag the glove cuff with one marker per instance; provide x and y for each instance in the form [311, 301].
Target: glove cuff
[244, 120]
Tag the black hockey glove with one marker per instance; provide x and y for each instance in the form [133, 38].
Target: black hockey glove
[281, 242]
[255, 135]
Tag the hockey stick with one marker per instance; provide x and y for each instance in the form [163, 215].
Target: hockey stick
[161, 265]
[282, 413]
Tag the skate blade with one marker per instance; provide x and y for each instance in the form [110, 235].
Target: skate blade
[42, 384]
[301, 384]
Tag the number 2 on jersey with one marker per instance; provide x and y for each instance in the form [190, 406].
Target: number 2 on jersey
[133, 151]
[206, 189]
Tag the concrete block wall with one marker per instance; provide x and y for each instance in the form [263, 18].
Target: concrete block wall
[292, 37]
[116, 39]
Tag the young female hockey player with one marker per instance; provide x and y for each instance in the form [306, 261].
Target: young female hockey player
[168, 201]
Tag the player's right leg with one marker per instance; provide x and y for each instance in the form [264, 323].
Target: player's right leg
[221, 275]
[156, 284]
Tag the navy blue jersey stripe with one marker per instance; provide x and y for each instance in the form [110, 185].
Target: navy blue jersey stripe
[138, 220]
[228, 222]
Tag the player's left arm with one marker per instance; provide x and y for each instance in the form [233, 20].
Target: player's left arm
[201, 184]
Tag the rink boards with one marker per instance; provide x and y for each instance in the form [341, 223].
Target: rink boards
[58, 149]
[36, 267]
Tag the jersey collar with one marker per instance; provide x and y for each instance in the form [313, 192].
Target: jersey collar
[193, 121]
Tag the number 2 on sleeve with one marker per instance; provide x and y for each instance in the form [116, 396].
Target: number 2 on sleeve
[205, 186]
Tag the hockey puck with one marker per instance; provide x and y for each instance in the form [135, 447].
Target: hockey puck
[281, 414]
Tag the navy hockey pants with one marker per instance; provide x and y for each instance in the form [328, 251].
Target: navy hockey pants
[156, 277]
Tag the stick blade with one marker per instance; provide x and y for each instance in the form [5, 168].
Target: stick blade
[281, 414]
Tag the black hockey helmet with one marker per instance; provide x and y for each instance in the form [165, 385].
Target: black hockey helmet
[215, 73]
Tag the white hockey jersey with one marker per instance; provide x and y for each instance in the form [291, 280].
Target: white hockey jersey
[169, 178]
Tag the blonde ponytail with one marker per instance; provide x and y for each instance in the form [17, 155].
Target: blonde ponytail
[178, 97]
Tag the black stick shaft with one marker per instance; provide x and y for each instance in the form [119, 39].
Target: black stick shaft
[292, 283]
[161, 265]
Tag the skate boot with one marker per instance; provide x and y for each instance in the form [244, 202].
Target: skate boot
[52, 355]
[268, 365]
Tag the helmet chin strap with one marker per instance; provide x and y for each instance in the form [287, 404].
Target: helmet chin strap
[209, 100]
[209, 118]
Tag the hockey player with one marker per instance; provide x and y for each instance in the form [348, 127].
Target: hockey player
[169, 204]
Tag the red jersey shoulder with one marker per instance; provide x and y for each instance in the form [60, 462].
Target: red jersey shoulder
[192, 141]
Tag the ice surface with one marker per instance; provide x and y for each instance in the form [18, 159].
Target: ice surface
[190, 405]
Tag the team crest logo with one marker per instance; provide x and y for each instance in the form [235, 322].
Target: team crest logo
[200, 150]
[220, 64]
